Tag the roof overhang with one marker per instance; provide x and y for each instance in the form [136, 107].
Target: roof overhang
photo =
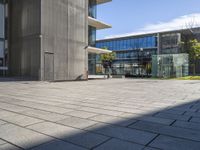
[98, 24]
[97, 50]
[103, 1]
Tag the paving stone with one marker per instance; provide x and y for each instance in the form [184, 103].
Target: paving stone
[101, 111]
[193, 114]
[2, 142]
[13, 108]
[69, 106]
[81, 114]
[54, 129]
[21, 120]
[44, 115]
[188, 125]
[77, 122]
[167, 130]
[173, 116]
[115, 144]
[76, 136]
[113, 120]
[58, 145]
[195, 119]
[176, 112]
[149, 148]
[171, 143]
[8, 146]
[22, 137]
[127, 98]
[4, 114]
[147, 126]
[123, 133]
[157, 120]
[45, 107]
[2, 122]
[87, 139]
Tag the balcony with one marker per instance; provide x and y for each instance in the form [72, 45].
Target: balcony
[98, 24]
[103, 1]
[95, 50]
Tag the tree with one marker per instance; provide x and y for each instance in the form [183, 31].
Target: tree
[194, 53]
[107, 60]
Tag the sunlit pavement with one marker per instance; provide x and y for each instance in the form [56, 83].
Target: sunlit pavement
[117, 114]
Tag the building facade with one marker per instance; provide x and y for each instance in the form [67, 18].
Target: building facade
[47, 39]
[134, 53]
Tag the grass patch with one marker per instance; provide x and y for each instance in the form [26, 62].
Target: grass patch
[189, 78]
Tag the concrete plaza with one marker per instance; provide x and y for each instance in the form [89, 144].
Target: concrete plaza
[117, 114]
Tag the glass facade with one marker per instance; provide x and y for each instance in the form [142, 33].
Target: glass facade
[170, 65]
[92, 36]
[92, 8]
[170, 43]
[3, 38]
[129, 43]
[2, 31]
[133, 54]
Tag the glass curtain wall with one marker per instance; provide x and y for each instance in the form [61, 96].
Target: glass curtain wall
[92, 8]
[170, 65]
[2, 38]
[92, 38]
[129, 43]
[133, 54]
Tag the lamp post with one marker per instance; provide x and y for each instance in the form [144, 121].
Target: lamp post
[147, 64]
[141, 66]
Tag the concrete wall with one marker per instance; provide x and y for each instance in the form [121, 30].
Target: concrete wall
[64, 30]
[24, 38]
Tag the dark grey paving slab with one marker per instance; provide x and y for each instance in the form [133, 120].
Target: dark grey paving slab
[115, 144]
[173, 116]
[157, 120]
[147, 126]
[87, 139]
[76, 136]
[171, 143]
[123, 133]
[58, 145]
[150, 148]
[193, 114]
[77, 122]
[188, 125]
[176, 112]
[22, 137]
[195, 119]
[168, 130]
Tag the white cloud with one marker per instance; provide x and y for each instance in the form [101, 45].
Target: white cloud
[183, 22]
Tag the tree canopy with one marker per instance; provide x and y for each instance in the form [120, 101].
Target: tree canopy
[194, 51]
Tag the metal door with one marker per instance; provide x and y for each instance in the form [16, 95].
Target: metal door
[49, 66]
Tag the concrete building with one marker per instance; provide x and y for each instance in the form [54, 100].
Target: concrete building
[134, 53]
[47, 39]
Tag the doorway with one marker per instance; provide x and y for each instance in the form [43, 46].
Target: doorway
[48, 66]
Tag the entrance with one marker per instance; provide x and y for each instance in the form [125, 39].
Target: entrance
[49, 66]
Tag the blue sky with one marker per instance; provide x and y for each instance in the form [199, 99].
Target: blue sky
[137, 16]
